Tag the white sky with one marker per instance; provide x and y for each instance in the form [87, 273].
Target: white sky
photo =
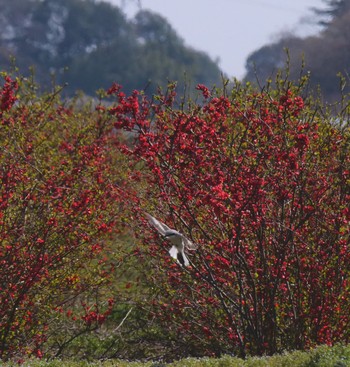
[229, 30]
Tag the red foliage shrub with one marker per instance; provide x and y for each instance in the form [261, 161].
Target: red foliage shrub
[59, 205]
[261, 183]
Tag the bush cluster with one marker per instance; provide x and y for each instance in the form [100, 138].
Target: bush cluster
[59, 220]
[259, 180]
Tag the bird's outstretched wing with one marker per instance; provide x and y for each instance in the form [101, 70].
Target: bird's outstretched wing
[161, 227]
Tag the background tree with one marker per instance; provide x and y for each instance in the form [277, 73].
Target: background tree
[335, 9]
[91, 44]
[324, 55]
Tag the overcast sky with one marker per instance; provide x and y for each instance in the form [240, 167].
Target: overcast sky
[229, 30]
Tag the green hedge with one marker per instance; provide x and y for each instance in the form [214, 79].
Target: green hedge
[323, 356]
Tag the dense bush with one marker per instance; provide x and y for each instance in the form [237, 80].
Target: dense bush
[260, 181]
[59, 220]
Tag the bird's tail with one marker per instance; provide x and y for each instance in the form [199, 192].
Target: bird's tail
[179, 256]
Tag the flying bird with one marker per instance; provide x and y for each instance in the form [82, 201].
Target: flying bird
[178, 240]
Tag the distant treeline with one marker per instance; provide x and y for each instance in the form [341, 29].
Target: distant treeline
[325, 55]
[90, 44]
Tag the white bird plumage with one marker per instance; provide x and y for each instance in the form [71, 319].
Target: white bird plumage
[178, 240]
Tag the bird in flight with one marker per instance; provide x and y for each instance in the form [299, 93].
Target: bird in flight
[178, 240]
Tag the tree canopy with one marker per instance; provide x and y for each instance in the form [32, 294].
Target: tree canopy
[90, 44]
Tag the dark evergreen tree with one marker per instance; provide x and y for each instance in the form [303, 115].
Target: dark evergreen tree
[334, 9]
